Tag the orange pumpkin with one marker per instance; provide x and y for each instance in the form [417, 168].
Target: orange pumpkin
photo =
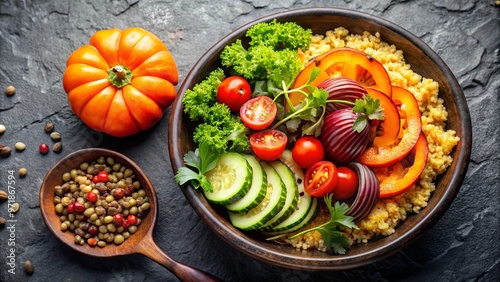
[122, 82]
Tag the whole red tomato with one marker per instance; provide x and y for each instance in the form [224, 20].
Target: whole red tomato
[234, 91]
[347, 184]
[307, 151]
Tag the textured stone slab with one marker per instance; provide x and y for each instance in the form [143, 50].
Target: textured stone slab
[36, 37]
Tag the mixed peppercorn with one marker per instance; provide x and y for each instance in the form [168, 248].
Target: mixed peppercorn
[101, 202]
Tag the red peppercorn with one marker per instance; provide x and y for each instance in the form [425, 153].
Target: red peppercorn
[92, 197]
[93, 230]
[102, 176]
[43, 148]
[71, 207]
[125, 224]
[95, 179]
[132, 219]
[118, 193]
[129, 189]
[118, 219]
[79, 207]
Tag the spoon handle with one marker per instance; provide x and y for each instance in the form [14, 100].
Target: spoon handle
[182, 271]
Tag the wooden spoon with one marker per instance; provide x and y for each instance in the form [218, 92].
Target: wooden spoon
[140, 242]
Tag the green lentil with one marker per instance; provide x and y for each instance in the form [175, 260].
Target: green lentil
[66, 176]
[118, 240]
[59, 208]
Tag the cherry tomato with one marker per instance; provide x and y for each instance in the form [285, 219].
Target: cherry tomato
[345, 62]
[234, 91]
[307, 151]
[321, 179]
[258, 113]
[347, 184]
[268, 144]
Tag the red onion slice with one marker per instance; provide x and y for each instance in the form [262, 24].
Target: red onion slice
[368, 192]
[341, 88]
[342, 143]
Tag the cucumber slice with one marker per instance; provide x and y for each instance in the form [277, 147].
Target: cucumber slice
[311, 213]
[231, 178]
[305, 200]
[257, 191]
[272, 203]
[292, 194]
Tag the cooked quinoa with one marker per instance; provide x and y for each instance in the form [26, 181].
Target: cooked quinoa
[388, 213]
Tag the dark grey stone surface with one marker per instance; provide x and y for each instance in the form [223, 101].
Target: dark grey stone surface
[36, 37]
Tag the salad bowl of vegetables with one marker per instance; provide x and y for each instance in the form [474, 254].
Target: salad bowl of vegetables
[239, 136]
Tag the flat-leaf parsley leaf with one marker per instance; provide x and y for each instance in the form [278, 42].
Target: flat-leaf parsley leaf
[197, 163]
[334, 239]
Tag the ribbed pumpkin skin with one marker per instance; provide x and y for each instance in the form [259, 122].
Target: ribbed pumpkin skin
[137, 105]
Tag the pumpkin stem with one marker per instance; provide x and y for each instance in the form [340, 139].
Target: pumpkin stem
[119, 76]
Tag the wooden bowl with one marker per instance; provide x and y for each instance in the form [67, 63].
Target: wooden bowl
[423, 61]
[141, 242]
[72, 161]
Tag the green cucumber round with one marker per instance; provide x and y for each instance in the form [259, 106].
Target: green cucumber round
[272, 203]
[257, 191]
[305, 200]
[292, 194]
[231, 178]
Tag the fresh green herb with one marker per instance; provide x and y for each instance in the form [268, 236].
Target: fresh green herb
[271, 56]
[369, 109]
[197, 163]
[312, 107]
[220, 129]
[197, 101]
[280, 35]
[334, 239]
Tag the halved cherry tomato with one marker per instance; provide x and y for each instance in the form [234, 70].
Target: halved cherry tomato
[268, 144]
[401, 176]
[347, 184]
[234, 91]
[307, 151]
[258, 113]
[345, 62]
[387, 130]
[321, 179]
[384, 156]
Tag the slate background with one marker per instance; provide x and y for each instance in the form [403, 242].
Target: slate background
[37, 36]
